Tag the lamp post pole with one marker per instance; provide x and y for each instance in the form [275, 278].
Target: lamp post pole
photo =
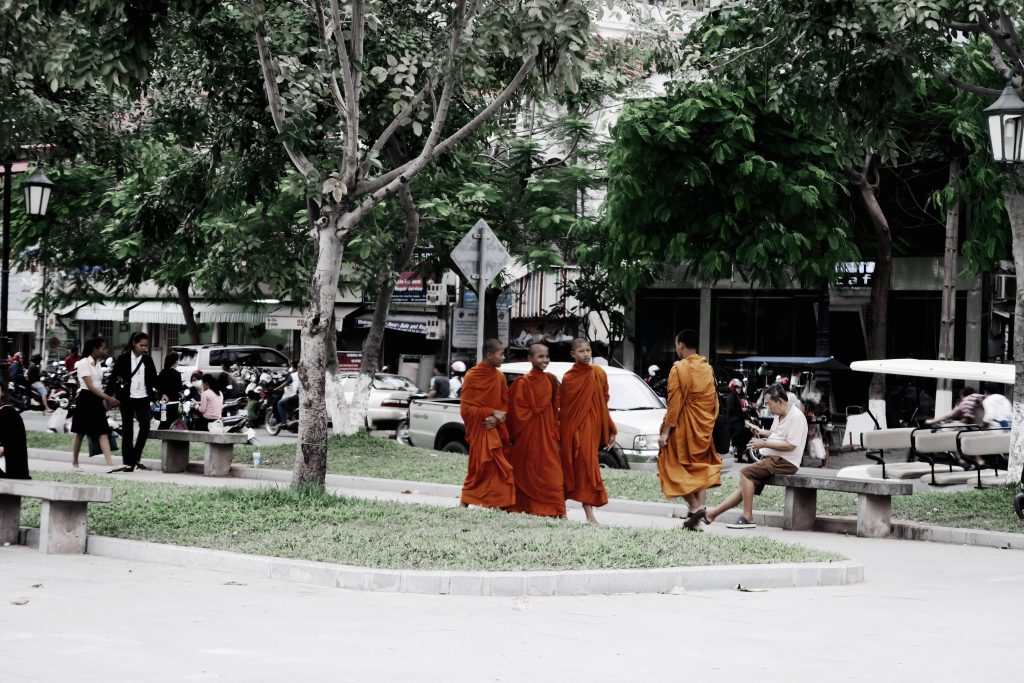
[5, 271]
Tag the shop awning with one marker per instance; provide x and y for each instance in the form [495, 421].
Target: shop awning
[167, 313]
[290, 318]
[99, 312]
[399, 322]
[21, 321]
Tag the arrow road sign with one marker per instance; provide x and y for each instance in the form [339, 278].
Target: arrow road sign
[466, 255]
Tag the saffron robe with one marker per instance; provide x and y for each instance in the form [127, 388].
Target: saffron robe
[586, 425]
[489, 480]
[533, 425]
[689, 462]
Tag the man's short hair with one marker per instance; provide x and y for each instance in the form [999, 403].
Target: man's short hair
[579, 341]
[777, 392]
[492, 344]
[689, 339]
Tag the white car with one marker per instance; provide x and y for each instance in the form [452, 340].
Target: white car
[636, 410]
[389, 398]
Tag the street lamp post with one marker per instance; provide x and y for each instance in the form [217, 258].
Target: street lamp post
[37, 198]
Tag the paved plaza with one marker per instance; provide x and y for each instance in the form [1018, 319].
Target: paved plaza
[94, 618]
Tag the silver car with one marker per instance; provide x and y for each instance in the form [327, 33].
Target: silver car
[389, 398]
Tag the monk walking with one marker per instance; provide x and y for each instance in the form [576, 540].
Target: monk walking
[484, 406]
[533, 424]
[688, 464]
[586, 426]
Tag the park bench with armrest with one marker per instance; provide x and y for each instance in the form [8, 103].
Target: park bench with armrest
[62, 517]
[874, 500]
[938, 445]
[878, 441]
[988, 444]
[220, 449]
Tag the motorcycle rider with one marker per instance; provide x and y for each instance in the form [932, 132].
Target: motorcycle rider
[290, 388]
[35, 380]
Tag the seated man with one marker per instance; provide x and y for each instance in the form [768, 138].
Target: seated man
[965, 408]
[781, 453]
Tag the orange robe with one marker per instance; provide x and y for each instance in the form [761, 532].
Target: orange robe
[533, 424]
[586, 425]
[489, 478]
[689, 462]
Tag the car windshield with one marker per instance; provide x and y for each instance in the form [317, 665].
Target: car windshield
[394, 383]
[261, 358]
[628, 392]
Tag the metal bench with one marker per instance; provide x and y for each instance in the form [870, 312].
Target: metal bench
[987, 443]
[939, 444]
[878, 441]
[220, 449]
[63, 514]
[874, 500]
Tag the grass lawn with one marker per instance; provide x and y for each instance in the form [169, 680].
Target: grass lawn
[368, 456]
[313, 525]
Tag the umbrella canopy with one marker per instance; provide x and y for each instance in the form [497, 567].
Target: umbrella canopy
[939, 369]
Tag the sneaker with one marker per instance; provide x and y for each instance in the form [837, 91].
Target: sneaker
[742, 523]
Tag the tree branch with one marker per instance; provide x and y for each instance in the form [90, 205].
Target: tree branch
[392, 127]
[269, 70]
[939, 75]
[350, 92]
[325, 67]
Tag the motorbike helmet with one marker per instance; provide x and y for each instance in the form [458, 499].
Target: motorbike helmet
[735, 385]
[36, 358]
[458, 366]
[653, 370]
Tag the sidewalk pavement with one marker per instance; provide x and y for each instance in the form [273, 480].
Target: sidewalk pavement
[113, 619]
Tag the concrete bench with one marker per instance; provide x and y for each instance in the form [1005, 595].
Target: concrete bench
[220, 449]
[874, 500]
[62, 518]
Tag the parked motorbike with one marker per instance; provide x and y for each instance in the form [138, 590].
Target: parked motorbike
[19, 395]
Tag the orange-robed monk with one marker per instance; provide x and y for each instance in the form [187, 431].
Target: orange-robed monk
[484, 405]
[586, 426]
[533, 424]
[688, 464]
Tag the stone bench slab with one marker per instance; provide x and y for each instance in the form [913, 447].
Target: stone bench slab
[827, 483]
[197, 437]
[56, 491]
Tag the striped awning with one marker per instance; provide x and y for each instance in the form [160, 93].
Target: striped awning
[168, 313]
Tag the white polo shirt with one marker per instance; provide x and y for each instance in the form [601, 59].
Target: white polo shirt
[87, 367]
[137, 389]
[793, 430]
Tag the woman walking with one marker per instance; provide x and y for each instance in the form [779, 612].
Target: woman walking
[90, 418]
[134, 376]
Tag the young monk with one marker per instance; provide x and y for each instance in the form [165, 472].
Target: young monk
[533, 424]
[586, 426]
[484, 406]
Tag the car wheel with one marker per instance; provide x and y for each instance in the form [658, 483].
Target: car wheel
[271, 423]
[457, 446]
[1018, 504]
[402, 433]
[612, 460]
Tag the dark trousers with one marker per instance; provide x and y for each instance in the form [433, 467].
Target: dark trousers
[131, 449]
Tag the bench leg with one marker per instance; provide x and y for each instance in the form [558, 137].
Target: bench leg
[62, 527]
[218, 459]
[10, 519]
[800, 509]
[873, 515]
[174, 456]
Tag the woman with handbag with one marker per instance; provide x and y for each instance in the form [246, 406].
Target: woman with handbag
[133, 380]
[90, 418]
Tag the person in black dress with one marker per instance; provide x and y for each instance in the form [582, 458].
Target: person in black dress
[168, 388]
[13, 447]
[90, 418]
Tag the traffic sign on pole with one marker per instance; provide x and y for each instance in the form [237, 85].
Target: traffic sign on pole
[480, 256]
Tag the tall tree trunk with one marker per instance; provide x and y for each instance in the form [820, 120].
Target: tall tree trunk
[185, 301]
[1015, 210]
[947, 321]
[880, 278]
[353, 416]
[317, 339]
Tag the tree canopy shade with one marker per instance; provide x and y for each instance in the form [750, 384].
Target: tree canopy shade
[707, 178]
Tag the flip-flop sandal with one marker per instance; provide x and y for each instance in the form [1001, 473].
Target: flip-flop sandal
[695, 518]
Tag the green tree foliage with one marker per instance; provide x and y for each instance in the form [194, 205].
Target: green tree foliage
[708, 178]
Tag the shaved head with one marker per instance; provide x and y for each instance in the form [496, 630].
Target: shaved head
[578, 342]
[491, 345]
[535, 348]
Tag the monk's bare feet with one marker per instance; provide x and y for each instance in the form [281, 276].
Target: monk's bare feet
[588, 510]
